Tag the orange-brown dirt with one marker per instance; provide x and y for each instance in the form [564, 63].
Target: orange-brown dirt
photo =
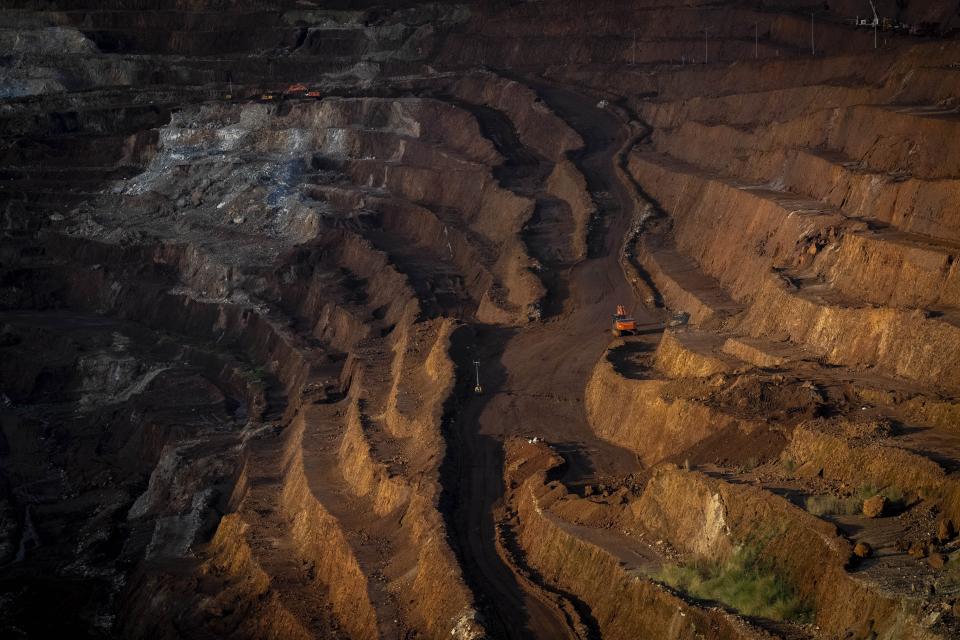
[305, 315]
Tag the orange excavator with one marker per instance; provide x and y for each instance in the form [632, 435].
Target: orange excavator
[622, 323]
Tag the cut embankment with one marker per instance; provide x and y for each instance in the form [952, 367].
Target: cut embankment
[540, 130]
[644, 417]
[622, 602]
[710, 519]
[912, 344]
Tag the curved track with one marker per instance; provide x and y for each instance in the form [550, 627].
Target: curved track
[534, 384]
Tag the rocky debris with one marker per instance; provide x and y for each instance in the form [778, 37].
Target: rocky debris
[866, 431]
[92, 390]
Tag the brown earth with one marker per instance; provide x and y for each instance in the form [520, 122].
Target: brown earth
[340, 366]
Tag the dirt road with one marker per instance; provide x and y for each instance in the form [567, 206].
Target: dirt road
[534, 381]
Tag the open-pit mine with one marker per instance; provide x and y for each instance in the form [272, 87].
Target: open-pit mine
[551, 319]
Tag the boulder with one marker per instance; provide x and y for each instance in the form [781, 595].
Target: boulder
[862, 550]
[945, 530]
[873, 507]
[937, 560]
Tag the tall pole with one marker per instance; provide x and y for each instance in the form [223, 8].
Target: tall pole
[756, 40]
[874, 34]
[478, 388]
[706, 47]
[813, 48]
[634, 60]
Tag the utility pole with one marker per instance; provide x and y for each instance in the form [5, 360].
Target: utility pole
[706, 47]
[756, 40]
[813, 48]
[477, 388]
[634, 57]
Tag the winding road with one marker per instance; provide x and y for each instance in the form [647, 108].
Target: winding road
[534, 380]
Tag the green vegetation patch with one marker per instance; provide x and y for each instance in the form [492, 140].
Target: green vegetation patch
[256, 374]
[830, 505]
[744, 583]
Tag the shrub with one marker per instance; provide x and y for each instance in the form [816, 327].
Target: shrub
[256, 374]
[823, 505]
[744, 583]
[949, 579]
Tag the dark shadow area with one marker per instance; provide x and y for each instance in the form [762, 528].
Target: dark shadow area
[578, 468]
[599, 129]
[633, 359]
[582, 609]
[472, 480]
[525, 172]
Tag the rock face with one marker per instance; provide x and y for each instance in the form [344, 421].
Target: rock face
[305, 319]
